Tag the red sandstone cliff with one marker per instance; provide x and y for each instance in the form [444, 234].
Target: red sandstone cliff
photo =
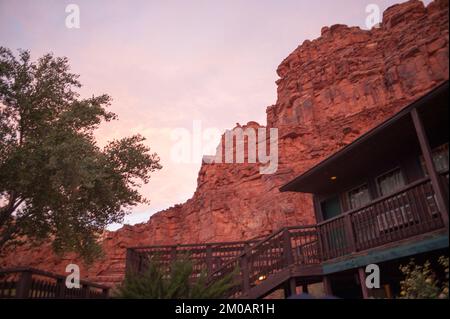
[330, 91]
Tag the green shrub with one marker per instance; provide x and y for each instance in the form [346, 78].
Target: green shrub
[178, 284]
[421, 281]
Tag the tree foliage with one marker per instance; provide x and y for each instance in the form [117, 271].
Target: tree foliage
[180, 283]
[55, 181]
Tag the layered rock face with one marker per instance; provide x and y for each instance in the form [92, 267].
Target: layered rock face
[331, 90]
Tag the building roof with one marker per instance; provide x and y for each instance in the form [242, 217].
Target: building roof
[395, 135]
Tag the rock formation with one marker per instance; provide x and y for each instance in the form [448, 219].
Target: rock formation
[331, 90]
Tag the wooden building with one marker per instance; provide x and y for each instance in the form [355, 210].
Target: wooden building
[383, 198]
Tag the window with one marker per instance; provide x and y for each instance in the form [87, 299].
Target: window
[330, 207]
[440, 159]
[359, 196]
[390, 182]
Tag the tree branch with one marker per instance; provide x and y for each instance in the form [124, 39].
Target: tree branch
[8, 210]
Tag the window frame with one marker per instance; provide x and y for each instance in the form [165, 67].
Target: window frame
[397, 168]
[347, 195]
[422, 160]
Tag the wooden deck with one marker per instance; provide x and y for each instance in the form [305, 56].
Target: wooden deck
[30, 283]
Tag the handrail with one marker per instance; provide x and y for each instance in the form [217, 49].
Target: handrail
[245, 252]
[48, 274]
[255, 239]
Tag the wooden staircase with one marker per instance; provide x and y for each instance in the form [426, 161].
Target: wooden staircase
[286, 258]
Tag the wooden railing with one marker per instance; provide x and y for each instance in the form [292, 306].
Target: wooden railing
[205, 257]
[293, 245]
[411, 211]
[37, 284]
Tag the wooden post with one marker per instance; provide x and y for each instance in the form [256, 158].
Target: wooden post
[290, 288]
[327, 286]
[173, 255]
[85, 291]
[130, 262]
[287, 248]
[293, 286]
[350, 233]
[24, 285]
[61, 284]
[105, 293]
[429, 164]
[362, 282]
[209, 259]
[305, 288]
[322, 240]
[245, 274]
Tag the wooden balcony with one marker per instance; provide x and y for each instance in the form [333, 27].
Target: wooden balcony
[30, 283]
[411, 211]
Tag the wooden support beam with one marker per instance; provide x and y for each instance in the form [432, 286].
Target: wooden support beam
[327, 286]
[290, 288]
[305, 288]
[429, 164]
[362, 282]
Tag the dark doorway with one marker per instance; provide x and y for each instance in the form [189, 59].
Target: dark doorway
[330, 207]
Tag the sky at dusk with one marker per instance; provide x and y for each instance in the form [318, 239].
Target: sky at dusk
[169, 63]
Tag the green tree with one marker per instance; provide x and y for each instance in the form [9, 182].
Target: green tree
[180, 283]
[55, 181]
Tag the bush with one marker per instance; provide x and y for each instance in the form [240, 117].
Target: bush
[178, 284]
[421, 281]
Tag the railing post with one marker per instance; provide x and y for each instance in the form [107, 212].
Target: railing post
[24, 285]
[209, 259]
[322, 243]
[245, 273]
[85, 291]
[130, 262]
[105, 293]
[173, 255]
[61, 284]
[350, 233]
[287, 248]
[429, 164]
